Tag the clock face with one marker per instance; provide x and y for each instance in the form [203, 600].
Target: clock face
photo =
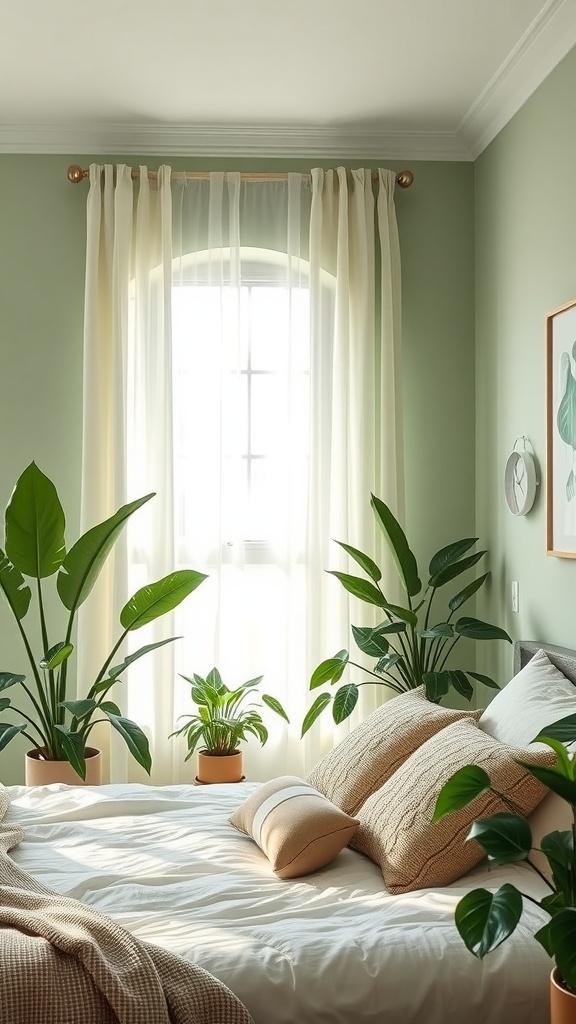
[520, 483]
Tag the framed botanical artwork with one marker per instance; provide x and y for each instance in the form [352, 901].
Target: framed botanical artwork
[561, 431]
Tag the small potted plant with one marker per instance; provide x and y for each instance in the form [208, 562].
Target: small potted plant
[484, 919]
[222, 721]
[57, 723]
[411, 648]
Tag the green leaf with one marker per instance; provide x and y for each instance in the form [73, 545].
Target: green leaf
[214, 679]
[387, 662]
[159, 598]
[389, 627]
[10, 679]
[130, 659]
[437, 685]
[485, 919]
[330, 670]
[441, 629]
[110, 706]
[505, 837]
[406, 614]
[56, 655]
[554, 779]
[134, 738]
[478, 630]
[563, 757]
[460, 789]
[483, 679]
[451, 553]
[364, 561]
[450, 572]
[403, 557]
[562, 930]
[566, 416]
[313, 712]
[14, 588]
[564, 730]
[73, 747]
[370, 642]
[345, 700]
[8, 732]
[461, 684]
[275, 705]
[83, 563]
[543, 937]
[360, 588]
[35, 525]
[558, 847]
[79, 708]
[459, 599]
[4, 703]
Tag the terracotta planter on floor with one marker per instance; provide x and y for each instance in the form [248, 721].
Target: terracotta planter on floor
[219, 768]
[562, 1002]
[40, 772]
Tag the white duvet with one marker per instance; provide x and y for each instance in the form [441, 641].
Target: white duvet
[331, 948]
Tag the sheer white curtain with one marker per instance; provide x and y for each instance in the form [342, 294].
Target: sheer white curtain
[241, 361]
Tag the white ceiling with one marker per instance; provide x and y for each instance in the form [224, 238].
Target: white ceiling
[394, 78]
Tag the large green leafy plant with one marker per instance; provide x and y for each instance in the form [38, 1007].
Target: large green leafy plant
[485, 919]
[223, 719]
[56, 722]
[411, 648]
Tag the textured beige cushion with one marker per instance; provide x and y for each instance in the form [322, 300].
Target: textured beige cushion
[396, 829]
[297, 828]
[373, 751]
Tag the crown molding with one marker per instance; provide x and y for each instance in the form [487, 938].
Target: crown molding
[232, 141]
[546, 41]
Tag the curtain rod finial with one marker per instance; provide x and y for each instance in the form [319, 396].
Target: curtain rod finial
[75, 173]
[404, 179]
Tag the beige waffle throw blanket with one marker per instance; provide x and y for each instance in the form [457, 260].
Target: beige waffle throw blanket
[62, 962]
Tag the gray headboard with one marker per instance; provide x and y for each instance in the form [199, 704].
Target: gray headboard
[563, 657]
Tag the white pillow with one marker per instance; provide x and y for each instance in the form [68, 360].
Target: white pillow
[536, 697]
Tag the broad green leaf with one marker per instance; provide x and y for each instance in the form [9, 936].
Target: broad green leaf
[110, 706]
[441, 629]
[73, 747]
[4, 703]
[554, 779]
[275, 705]
[35, 525]
[345, 700]
[437, 685]
[10, 679]
[478, 630]
[460, 789]
[14, 587]
[406, 614]
[564, 762]
[461, 684]
[558, 847]
[403, 557]
[387, 662]
[56, 655]
[134, 738]
[81, 566]
[389, 627]
[370, 642]
[8, 732]
[451, 553]
[330, 670]
[485, 919]
[450, 572]
[483, 679]
[505, 837]
[360, 588]
[131, 658]
[562, 931]
[215, 680]
[543, 937]
[159, 598]
[566, 416]
[459, 599]
[80, 708]
[364, 561]
[313, 712]
[564, 730]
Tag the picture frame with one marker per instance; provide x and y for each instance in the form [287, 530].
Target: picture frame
[561, 431]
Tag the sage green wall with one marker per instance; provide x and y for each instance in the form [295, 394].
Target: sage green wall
[525, 229]
[42, 244]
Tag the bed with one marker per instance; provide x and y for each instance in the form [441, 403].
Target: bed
[333, 947]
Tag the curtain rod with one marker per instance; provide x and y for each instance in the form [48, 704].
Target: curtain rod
[76, 173]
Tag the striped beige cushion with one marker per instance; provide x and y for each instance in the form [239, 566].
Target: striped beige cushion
[396, 829]
[297, 828]
[362, 762]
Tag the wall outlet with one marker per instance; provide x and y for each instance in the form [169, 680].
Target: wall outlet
[515, 596]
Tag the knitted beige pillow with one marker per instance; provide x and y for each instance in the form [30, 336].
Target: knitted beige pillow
[396, 829]
[376, 748]
[297, 828]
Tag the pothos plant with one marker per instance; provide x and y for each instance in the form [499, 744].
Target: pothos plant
[56, 722]
[411, 648]
[485, 919]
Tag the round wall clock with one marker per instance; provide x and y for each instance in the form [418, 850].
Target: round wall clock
[520, 482]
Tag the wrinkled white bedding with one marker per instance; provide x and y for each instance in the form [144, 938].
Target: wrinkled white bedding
[331, 948]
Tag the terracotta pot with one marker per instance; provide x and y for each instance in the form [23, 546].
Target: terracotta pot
[219, 767]
[40, 772]
[562, 1002]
